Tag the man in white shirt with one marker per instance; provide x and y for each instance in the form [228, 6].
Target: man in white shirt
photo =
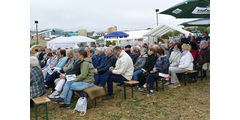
[122, 72]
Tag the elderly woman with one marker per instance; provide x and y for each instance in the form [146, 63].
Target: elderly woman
[81, 82]
[140, 63]
[175, 57]
[134, 54]
[185, 64]
[36, 79]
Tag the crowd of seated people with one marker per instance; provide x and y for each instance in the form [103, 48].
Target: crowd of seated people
[101, 66]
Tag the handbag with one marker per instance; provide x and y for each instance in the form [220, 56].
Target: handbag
[81, 106]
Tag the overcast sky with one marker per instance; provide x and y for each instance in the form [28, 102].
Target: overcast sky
[98, 15]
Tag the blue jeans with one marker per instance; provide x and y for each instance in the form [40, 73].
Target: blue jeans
[70, 86]
[51, 78]
[114, 78]
[150, 79]
[136, 74]
[100, 79]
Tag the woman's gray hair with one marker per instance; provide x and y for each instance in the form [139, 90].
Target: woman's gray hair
[75, 52]
[34, 61]
[109, 49]
[100, 49]
[70, 51]
[144, 49]
[134, 49]
[203, 42]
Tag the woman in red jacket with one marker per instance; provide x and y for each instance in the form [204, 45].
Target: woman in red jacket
[194, 51]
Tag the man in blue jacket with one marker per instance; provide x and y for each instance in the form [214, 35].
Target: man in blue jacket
[101, 72]
[99, 58]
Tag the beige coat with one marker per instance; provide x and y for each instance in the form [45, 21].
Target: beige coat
[124, 66]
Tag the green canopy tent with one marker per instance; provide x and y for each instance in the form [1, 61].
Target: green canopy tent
[190, 9]
[205, 22]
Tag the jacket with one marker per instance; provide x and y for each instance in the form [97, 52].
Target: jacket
[54, 61]
[124, 66]
[37, 88]
[68, 65]
[134, 57]
[195, 55]
[175, 58]
[150, 62]
[98, 60]
[204, 56]
[87, 73]
[140, 61]
[61, 63]
[162, 64]
[111, 61]
[186, 61]
[75, 68]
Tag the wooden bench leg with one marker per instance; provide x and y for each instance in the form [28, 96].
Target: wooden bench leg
[156, 84]
[206, 74]
[35, 110]
[132, 91]
[184, 80]
[124, 87]
[95, 102]
[162, 84]
[46, 112]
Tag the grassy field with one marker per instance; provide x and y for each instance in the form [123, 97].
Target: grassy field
[191, 102]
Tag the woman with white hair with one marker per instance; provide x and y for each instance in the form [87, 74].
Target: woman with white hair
[37, 88]
[185, 64]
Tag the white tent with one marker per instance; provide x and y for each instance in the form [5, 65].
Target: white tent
[67, 42]
[160, 30]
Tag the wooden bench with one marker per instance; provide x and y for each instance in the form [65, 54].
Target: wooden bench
[94, 93]
[130, 83]
[188, 73]
[207, 68]
[162, 79]
[40, 100]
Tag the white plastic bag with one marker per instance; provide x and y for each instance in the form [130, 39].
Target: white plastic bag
[81, 106]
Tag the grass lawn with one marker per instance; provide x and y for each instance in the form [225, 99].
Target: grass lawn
[191, 102]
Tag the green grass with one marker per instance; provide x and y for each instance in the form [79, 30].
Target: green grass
[191, 102]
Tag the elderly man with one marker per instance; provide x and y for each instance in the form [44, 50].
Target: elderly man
[50, 81]
[101, 72]
[122, 72]
[203, 56]
[99, 58]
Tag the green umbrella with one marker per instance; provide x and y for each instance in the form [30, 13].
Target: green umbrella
[198, 22]
[190, 9]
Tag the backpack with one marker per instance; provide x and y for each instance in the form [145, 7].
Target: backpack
[81, 106]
